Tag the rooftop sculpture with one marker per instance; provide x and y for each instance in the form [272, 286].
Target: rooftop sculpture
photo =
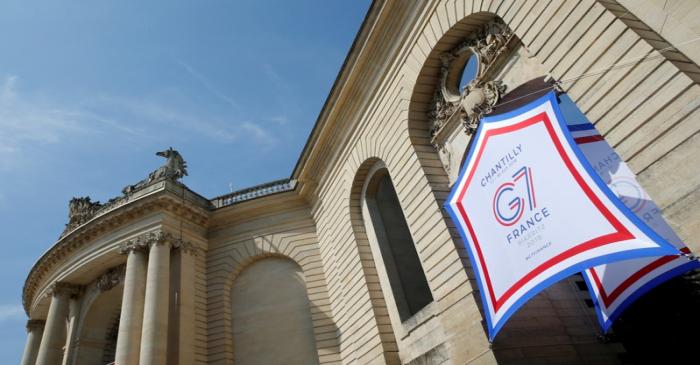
[81, 210]
[174, 168]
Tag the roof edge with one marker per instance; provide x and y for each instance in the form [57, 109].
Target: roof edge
[355, 50]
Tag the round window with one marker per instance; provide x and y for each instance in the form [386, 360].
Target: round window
[469, 72]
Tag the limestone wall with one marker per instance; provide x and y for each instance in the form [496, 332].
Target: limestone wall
[241, 236]
[647, 110]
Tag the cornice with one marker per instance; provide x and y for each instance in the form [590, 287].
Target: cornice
[165, 196]
[356, 48]
[255, 209]
[361, 78]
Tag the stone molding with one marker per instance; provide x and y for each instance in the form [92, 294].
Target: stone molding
[481, 94]
[145, 241]
[35, 324]
[331, 133]
[164, 196]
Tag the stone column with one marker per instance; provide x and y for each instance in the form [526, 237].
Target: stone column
[51, 348]
[35, 328]
[73, 317]
[154, 336]
[131, 318]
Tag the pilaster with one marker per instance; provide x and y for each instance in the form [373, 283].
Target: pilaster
[186, 302]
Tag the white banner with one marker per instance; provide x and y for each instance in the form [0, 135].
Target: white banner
[616, 285]
[532, 211]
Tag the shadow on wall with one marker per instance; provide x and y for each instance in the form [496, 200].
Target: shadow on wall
[274, 316]
[97, 339]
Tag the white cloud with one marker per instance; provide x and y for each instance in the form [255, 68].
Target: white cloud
[279, 119]
[157, 115]
[208, 85]
[278, 83]
[27, 121]
[11, 311]
[259, 134]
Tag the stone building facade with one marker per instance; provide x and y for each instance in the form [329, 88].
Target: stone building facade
[352, 259]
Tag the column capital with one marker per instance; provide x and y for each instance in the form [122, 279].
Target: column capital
[35, 324]
[144, 241]
[60, 287]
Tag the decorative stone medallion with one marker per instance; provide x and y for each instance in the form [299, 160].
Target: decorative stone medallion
[481, 94]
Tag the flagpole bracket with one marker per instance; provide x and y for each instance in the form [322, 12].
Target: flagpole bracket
[690, 257]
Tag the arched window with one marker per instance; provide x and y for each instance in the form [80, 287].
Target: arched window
[398, 251]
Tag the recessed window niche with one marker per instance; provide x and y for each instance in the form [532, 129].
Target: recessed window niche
[408, 283]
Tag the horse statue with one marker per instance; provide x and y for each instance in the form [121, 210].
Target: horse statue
[174, 168]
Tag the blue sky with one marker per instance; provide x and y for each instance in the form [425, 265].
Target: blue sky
[89, 91]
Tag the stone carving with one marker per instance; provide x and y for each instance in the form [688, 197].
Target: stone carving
[441, 113]
[481, 94]
[478, 99]
[80, 211]
[72, 290]
[447, 165]
[174, 168]
[110, 278]
[145, 241]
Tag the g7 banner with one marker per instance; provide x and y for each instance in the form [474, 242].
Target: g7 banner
[531, 210]
[615, 286]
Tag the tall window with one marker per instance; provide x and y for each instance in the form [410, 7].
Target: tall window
[408, 283]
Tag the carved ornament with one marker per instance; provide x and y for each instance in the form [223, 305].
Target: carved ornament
[174, 169]
[58, 288]
[145, 241]
[481, 94]
[80, 211]
[110, 278]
